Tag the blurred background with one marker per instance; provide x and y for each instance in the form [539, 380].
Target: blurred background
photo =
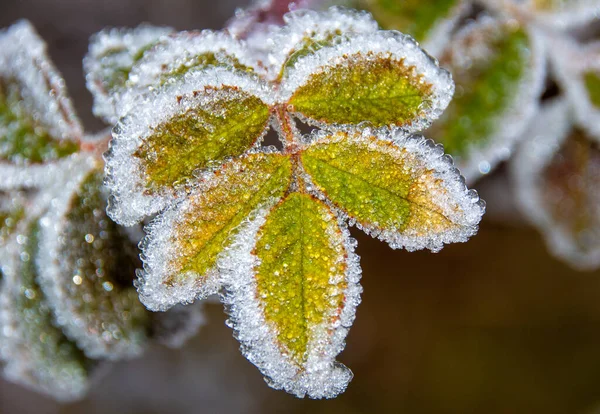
[496, 325]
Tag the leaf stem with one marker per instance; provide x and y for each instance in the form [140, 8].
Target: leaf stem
[289, 133]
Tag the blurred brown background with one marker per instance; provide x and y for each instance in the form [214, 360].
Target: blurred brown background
[492, 326]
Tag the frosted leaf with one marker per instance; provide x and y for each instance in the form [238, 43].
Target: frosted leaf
[430, 22]
[176, 326]
[37, 121]
[304, 32]
[557, 179]
[172, 135]
[36, 354]
[400, 189]
[88, 268]
[558, 13]
[380, 79]
[184, 243]
[111, 55]
[577, 69]
[499, 70]
[291, 289]
[182, 52]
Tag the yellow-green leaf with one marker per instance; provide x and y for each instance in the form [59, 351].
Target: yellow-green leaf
[393, 84]
[298, 259]
[89, 275]
[291, 279]
[182, 247]
[226, 124]
[36, 353]
[400, 189]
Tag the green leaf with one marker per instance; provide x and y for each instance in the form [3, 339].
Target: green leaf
[494, 65]
[414, 17]
[182, 247]
[37, 121]
[89, 277]
[300, 253]
[225, 123]
[399, 191]
[395, 84]
[36, 353]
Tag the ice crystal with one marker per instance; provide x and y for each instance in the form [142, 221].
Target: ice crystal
[267, 225]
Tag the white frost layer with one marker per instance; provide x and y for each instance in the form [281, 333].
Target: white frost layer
[510, 125]
[374, 46]
[129, 203]
[544, 139]
[570, 63]
[22, 352]
[276, 44]
[112, 50]
[461, 206]
[55, 277]
[180, 50]
[24, 59]
[321, 376]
